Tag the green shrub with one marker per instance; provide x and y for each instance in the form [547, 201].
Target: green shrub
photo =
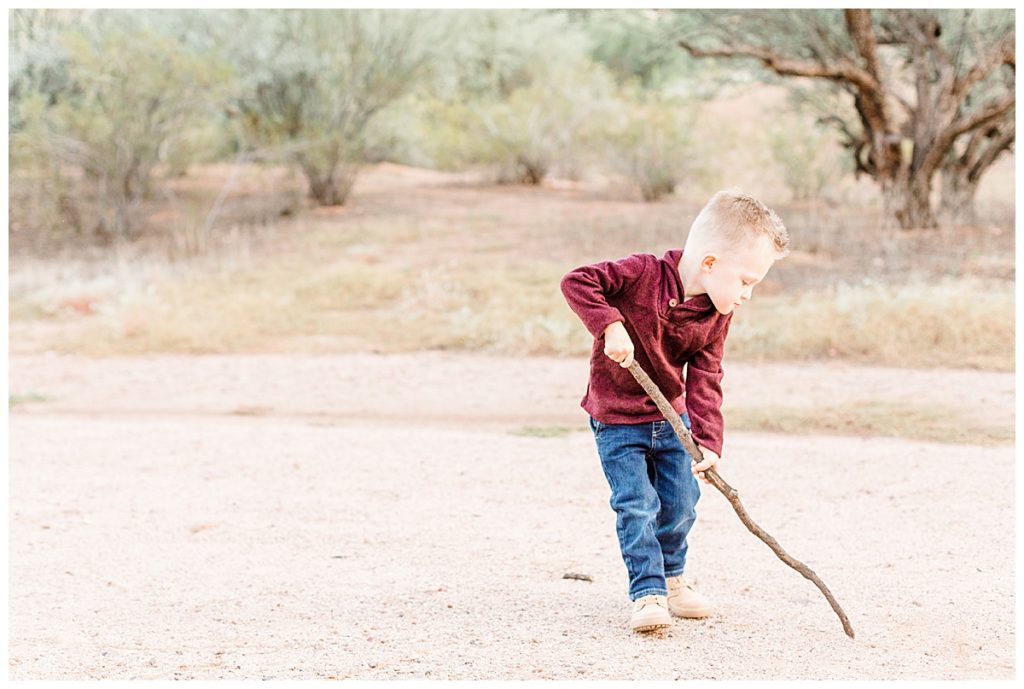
[649, 141]
[540, 125]
[809, 155]
[136, 93]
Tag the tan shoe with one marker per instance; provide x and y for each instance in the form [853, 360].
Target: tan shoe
[650, 613]
[684, 600]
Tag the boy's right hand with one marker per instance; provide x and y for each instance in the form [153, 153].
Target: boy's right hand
[617, 344]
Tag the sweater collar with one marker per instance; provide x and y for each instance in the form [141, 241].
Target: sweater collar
[701, 301]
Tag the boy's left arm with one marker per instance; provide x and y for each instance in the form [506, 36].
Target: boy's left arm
[704, 401]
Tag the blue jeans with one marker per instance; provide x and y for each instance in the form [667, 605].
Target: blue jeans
[654, 495]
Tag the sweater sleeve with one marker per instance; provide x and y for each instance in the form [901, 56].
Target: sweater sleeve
[588, 288]
[704, 392]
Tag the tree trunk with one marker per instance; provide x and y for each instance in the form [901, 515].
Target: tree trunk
[906, 202]
[531, 170]
[332, 185]
[958, 191]
[334, 188]
[325, 190]
[962, 172]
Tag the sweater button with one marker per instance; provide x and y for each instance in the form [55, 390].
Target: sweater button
[672, 303]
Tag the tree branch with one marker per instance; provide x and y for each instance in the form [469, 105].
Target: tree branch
[858, 23]
[1003, 140]
[979, 117]
[1002, 53]
[731, 494]
[842, 70]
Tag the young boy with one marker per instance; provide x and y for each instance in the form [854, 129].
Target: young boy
[667, 313]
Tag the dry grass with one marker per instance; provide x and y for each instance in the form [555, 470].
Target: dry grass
[350, 304]
[427, 260]
[542, 431]
[965, 322]
[864, 419]
[871, 419]
[15, 400]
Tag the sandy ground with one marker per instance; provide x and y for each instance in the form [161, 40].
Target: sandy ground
[373, 517]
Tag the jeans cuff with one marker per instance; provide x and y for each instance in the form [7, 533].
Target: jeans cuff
[649, 592]
[674, 573]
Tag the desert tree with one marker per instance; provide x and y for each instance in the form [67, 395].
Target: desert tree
[310, 81]
[100, 101]
[974, 152]
[517, 95]
[915, 89]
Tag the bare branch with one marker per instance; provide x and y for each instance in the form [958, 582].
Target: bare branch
[732, 495]
[1002, 141]
[842, 70]
[851, 138]
[1002, 53]
[963, 124]
[980, 117]
[858, 23]
[907, 106]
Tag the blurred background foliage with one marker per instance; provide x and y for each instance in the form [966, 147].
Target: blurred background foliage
[522, 93]
[206, 132]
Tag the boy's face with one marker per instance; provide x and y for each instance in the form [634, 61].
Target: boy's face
[729, 277]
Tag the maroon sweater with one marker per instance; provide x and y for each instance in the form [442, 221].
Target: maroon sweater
[646, 294]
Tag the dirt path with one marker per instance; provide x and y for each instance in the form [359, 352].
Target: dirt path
[448, 389]
[371, 517]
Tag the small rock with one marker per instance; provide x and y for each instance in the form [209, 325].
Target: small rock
[575, 575]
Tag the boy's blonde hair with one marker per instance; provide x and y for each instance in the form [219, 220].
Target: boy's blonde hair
[732, 219]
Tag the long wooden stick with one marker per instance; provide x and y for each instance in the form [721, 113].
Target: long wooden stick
[731, 494]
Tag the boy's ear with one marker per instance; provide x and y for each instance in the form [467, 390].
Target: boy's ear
[709, 261]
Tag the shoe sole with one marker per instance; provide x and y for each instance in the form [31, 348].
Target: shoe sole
[652, 627]
[693, 615]
[690, 612]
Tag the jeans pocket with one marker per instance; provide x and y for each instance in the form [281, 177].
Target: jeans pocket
[596, 426]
